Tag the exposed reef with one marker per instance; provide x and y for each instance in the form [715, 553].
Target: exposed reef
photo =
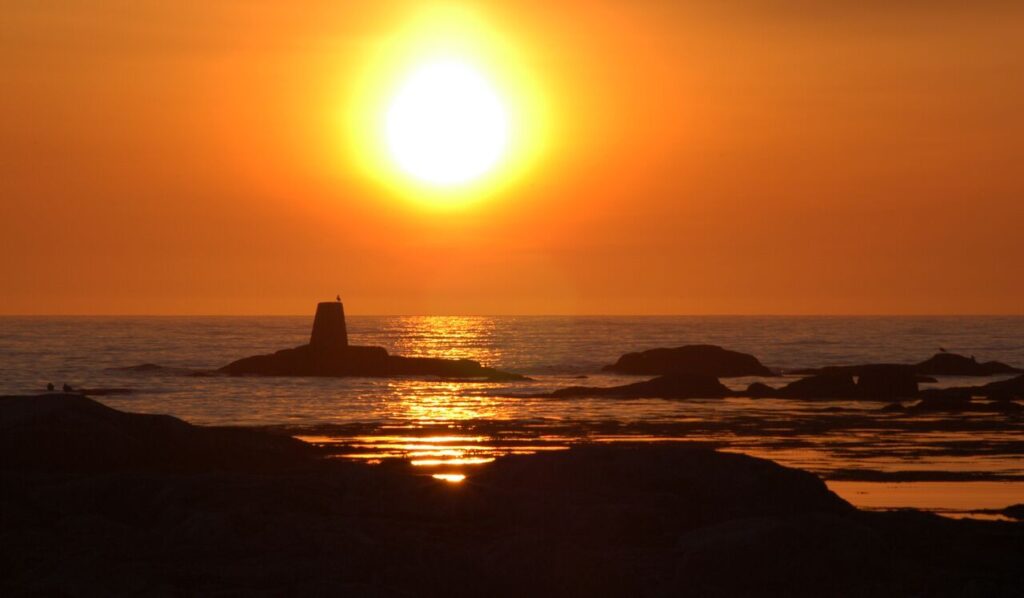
[940, 364]
[271, 517]
[677, 386]
[1001, 398]
[329, 354]
[951, 364]
[706, 360]
[1009, 389]
[875, 382]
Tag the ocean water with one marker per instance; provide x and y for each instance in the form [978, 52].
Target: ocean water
[445, 423]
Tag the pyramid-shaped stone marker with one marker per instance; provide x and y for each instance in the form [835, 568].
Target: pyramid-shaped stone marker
[329, 331]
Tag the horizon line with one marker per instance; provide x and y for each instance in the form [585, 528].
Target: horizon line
[513, 315]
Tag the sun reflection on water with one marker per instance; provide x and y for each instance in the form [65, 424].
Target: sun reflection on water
[448, 429]
[431, 401]
[449, 337]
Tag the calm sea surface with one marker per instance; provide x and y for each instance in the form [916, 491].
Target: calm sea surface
[362, 415]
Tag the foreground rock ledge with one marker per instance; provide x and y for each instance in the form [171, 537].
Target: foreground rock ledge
[654, 520]
[329, 354]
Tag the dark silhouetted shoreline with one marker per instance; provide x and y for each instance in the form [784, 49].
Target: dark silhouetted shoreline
[194, 510]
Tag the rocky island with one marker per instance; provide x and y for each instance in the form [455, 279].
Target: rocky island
[705, 360]
[329, 354]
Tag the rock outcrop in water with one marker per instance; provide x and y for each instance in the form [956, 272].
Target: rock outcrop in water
[704, 360]
[272, 518]
[887, 382]
[1010, 389]
[876, 382]
[677, 386]
[951, 364]
[940, 364]
[823, 386]
[329, 354]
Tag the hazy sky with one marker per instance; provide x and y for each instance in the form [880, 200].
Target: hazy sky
[772, 157]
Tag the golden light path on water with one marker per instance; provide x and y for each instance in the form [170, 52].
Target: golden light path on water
[439, 423]
[449, 429]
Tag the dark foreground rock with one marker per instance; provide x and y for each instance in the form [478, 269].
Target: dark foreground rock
[654, 520]
[329, 354]
[678, 386]
[1014, 511]
[72, 433]
[704, 360]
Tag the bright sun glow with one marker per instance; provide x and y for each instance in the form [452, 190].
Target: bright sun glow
[446, 110]
[446, 125]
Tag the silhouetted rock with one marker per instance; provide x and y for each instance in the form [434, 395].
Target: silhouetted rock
[759, 390]
[1012, 388]
[625, 520]
[69, 432]
[679, 386]
[1004, 389]
[875, 381]
[824, 386]
[887, 382]
[951, 403]
[941, 364]
[1014, 511]
[706, 360]
[1005, 406]
[951, 364]
[821, 386]
[329, 354]
[882, 382]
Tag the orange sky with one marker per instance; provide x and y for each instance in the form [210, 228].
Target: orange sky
[761, 157]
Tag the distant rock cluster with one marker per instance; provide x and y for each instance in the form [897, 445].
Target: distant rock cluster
[692, 371]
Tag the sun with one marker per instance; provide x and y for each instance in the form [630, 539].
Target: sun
[446, 124]
[445, 110]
